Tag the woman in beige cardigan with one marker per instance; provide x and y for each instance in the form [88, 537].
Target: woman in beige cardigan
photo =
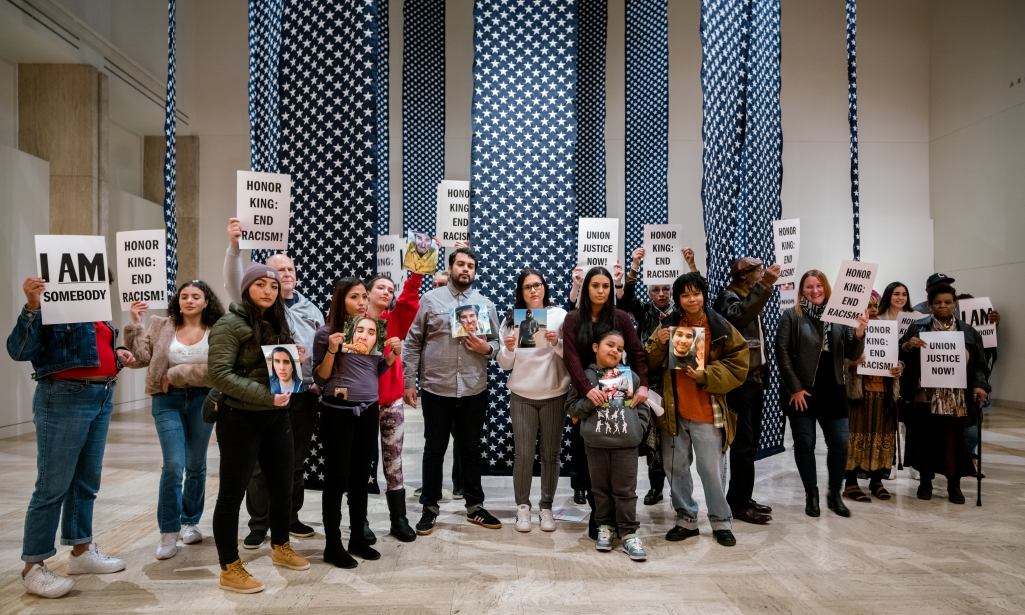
[175, 348]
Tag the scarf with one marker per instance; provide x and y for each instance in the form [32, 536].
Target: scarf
[946, 402]
[809, 308]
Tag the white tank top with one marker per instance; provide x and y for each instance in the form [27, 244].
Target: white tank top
[180, 354]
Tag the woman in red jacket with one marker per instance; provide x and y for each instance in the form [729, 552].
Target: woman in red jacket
[400, 318]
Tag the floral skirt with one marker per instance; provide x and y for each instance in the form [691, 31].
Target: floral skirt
[873, 427]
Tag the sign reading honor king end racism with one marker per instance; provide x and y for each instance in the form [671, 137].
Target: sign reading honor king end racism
[943, 360]
[389, 258]
[74, 268]
[142, 268]
[880, 348]
[264, 202]
[663, 258]
[851, 292]
[787, 236]
[597, 243]
[453, 217]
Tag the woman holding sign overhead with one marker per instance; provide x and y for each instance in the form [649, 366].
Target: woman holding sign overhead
[936, 423]
[537, 387]
[176, 349]
[810, 354]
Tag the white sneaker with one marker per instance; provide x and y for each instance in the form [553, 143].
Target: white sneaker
[191, 535]
[523, 518]
[893, 473]
[914, 474]
[94, 561]
[547, 520]
[41, 581]
[168, 545]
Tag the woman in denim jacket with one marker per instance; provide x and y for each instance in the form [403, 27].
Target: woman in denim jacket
[76, 366]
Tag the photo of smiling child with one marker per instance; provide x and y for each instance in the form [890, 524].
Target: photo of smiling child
[688, 348]
[365, 335]
[284, 368]
[470, 320]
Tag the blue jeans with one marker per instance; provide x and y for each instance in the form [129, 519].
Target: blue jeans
[184, 438]
[71, 433]
[700, 442]
[836, 433]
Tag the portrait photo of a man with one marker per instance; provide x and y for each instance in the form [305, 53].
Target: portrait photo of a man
[470, 320]
[687, 345]
[421, 253]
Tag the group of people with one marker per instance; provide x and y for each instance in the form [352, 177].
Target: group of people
[611, 362]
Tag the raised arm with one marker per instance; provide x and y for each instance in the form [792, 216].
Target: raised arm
[233, 262]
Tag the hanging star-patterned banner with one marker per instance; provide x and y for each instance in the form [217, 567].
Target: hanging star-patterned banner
[852, 119]
[523, 203]
[170, 159]
[590, 148]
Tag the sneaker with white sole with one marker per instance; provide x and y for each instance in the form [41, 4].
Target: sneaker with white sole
[41, 581]
[523, 518]
[94, 561]
[168, 546]
[632, 547]
[914, 474]
[547, 520]
[604, 542]
[191, 535]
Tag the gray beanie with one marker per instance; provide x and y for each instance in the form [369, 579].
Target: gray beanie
[257, 271]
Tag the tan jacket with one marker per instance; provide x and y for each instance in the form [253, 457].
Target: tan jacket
[151, 350]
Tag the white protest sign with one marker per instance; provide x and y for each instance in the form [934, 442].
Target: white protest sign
[943, 360]
[904, 320]
[74, 268]
[880, 348]
[389, 257]
[142, 268]
[787, 298]
[851, 292]
[787, 236]
[264, 202]
[453, 215]
[663, 259]
[976, 313]
[598, 243]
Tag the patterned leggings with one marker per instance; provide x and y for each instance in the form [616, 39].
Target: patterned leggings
[392, 434]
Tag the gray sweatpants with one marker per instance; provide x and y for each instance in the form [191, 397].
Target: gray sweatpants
[527, 416]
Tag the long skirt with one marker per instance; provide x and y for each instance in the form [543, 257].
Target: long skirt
[873, 426]
[936, 444]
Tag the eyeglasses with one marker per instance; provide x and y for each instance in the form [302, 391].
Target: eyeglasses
[660, 291]
[534, 286]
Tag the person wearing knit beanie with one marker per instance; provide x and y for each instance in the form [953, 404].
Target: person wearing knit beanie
[255, 272]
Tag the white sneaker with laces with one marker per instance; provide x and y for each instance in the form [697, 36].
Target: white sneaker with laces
[547, 520]
[191, 535]
[41, 581]
[604, 542]
[523, 518]
[168, 546]
[94, 561]
[914, 474]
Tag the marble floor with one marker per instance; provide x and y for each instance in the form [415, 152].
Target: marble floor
[900, 556]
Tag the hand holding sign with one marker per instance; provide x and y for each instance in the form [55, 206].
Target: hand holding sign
[138, 309]
[33, 288]
[851, 293]
[264, 203]
[74, 268]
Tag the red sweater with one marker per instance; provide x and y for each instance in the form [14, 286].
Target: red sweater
[574, 350]
[390, 385]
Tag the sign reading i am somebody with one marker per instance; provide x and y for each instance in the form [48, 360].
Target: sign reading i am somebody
[74, 268]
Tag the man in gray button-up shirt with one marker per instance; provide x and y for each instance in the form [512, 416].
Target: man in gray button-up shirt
[453, 380]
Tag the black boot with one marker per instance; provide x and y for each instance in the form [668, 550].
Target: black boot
[397, 509]
[954, 490]
[811, 502]
[368, 536]
[358, 545]
[334, 553]
[835, 503]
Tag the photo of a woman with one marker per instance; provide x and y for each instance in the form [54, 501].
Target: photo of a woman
[285, 376]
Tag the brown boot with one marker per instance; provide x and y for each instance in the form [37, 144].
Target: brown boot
[284, 556]
[954, 490]
[235, 578]
[925, 488]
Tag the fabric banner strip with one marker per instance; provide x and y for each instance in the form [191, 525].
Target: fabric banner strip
[852, 119]
[590, 160]
[524, 125]
[170, 156]
[381, 147]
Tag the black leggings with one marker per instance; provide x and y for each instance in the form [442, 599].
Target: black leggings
[349, 445]
[875, 476]
[245, 437]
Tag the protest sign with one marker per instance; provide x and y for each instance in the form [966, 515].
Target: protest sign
[787, 298]
[453, 214]
[976, 313]
[598, 243]
[880, 348]
[264, 202]
[389, 257]
[943, 360]
[905, 319]
[787, 236]
[470, 320]
[75, 270]
[663, 258]
[142, 268]
[851, 292]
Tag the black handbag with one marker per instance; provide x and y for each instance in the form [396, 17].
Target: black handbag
[212, 405]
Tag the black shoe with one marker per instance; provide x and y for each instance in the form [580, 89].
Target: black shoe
[579, 497]
[418, 491]
[397, 510]
[484, 519]
[835, 503]
[357, 546]
[762, 508]
[426, 524]
[301, 530]
[592, 528]
[652, 497]
[925, 489]
[811, 502]
[368, 536]
[725, 538]
[457, 494]
[254, 540]
[750, 515]
[954, 491]
[335, 553]
[681, 533]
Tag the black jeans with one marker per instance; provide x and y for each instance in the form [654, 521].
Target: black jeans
[836, 433]
[747, 401]
[245, 437]
[302, 413]
[467, 415]
[349, 444]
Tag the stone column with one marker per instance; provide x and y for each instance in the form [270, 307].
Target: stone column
[186, 193]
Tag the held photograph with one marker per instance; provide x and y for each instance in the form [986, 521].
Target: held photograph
[365, 335]
[421, 255]
[531, 326]
[687, 348]
[470, 320]
[284, 367]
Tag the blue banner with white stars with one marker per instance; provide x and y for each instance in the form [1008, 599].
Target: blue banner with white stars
[523, 203]
[852, 119]
[170, 157]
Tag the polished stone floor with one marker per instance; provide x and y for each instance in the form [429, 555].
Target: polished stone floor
[901, 556]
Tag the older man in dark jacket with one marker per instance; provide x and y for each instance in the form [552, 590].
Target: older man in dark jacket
[741, 303]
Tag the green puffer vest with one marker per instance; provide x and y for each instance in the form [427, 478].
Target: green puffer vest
[236, 367]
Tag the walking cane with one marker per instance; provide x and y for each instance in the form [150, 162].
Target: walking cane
[978, 467]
